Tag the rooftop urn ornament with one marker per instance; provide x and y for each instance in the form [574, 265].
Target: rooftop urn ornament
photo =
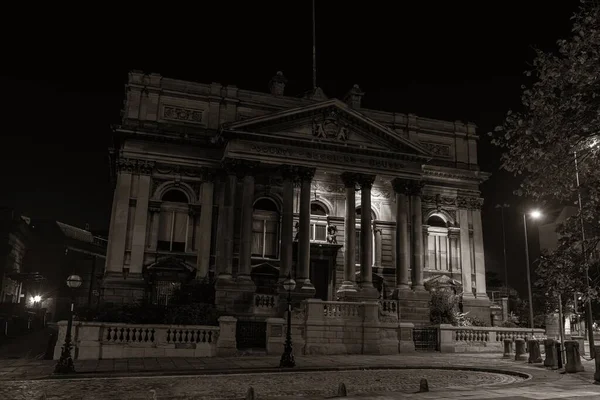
[277, 84]
[354, 96]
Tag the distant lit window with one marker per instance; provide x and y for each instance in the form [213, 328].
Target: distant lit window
[265, 229]
[173, 224]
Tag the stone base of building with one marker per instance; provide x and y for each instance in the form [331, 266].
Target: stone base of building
[478, 307]
[414, 306]
[119, 290]
[234, 296]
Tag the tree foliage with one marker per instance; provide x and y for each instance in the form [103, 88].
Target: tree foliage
[557, 126]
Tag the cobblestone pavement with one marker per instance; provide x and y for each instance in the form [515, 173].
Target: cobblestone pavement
[192, 379]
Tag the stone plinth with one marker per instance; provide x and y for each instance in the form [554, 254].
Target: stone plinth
[406, 343]
[276, 331]
[573, 362]
[508, 348]
[414, 306]
[234, 296]
[120, 290]
[478, 307]
[535, 355]
[581, 341]
[520, 354]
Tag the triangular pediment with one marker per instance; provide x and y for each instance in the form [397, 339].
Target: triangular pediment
[330, 121]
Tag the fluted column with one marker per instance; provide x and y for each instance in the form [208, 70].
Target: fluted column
[306, 175]
[479, 254]
[349, 285]
[245, 261]
[453, 240]
[377, 250]
[417, 230]
[154, 212]
[402, 236]
[366, 234]
[204, 235]
[288, 173]
[465, 252]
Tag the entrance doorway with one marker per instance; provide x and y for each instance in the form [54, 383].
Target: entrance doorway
[321, 277]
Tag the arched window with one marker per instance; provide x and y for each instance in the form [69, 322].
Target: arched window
[173, 223]
[265, 229]
[318, 223]
[357, 245]
[438, 254]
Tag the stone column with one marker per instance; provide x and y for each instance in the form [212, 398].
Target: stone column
[453, 237]
[205, 226]
[227, 223]
[366, 239]
[289, 174]
[118, 226]
[479, 254]
[306, 175]
[189, 230]
[465, 253]
[402, 237]
[377, 249]
[348, 285]
[417, 230]
[138, 244]
[245, 265]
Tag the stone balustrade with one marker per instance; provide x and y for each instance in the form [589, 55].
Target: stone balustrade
[476, 339]
[98, 340]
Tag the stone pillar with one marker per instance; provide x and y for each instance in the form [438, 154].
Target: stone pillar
[417, 230]
[551, 360]
[366, 239]
[520, 350]
[535, 356]
[508, 348]
[205, 227]
[226, 224]
[246, 226]
[453, 244]
[479, 254]
[377, 249]
[154, 210]
[287, 221]
[118, 226]
[573, 361]
[465, 253]
[348, 285]
[402, 237]
[138, 245]
[304, 283]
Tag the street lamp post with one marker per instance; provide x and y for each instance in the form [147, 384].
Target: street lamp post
[502, 207]
[287, 358]
[65, 363]
[588, 312]
[535, 215]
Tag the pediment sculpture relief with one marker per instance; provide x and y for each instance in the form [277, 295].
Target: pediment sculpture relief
[330, 128]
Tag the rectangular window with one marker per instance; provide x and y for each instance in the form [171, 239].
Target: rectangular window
[318, 231]
[265, 237]
[172, 231]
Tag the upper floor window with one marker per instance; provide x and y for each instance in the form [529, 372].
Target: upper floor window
[318, 223]
[438, 254]
[173, 223]
[265, 229]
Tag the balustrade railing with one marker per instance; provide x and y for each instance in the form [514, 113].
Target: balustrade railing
[156, 335]
[477, 338]
[265, 304]
[389, 309]
[340, 309]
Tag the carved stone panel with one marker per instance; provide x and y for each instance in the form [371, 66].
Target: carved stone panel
[182, 114]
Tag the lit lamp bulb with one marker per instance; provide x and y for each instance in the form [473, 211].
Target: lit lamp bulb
[37, 299]
[535, 214]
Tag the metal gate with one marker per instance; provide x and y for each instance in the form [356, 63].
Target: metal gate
[426, 339]
[251, 335]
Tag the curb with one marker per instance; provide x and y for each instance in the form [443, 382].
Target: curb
[234, 371]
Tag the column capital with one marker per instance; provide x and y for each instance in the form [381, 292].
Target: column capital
[132, 165]
[350, 179]
[469, 203]
[306, 173]
[365, 181]
[407, 186]
[239, 168]
[209, 174]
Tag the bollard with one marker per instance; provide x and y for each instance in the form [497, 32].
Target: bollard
[573, 363]
[423, 386]
[534, 352]
[551, 360]
[581, 341]
[508, 348]
[520, 350]
[342, 392]
[250, 394]
[597, 362]
[559, 355]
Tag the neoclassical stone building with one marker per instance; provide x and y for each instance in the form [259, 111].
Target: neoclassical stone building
[246, 187]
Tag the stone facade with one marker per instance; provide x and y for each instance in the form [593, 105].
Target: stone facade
[245, 188]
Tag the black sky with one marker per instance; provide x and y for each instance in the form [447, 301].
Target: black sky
[63, 75]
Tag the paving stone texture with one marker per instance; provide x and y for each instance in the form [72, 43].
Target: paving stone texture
[316, 377]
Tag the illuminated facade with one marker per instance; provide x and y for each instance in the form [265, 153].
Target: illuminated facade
[246, 187]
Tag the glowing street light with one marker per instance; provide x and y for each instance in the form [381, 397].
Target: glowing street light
[535, 214]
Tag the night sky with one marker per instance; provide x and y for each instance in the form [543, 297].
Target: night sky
[64, 70]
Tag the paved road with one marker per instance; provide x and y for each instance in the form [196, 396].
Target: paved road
[361, 382]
